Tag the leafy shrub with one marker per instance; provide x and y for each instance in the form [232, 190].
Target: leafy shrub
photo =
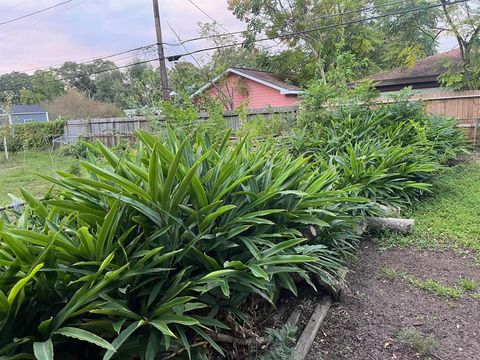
[152, 254]
[79, 150]
[75, 105]
[36, 135]
[388, 154]
[263, 127]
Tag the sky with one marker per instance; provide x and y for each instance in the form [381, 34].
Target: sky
[84, 29]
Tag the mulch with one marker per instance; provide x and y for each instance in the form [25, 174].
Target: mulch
[365, 324]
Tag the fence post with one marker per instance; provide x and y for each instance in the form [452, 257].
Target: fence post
[475, 133]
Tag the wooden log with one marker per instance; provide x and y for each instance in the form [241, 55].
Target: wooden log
[310, 332]
[404, 226]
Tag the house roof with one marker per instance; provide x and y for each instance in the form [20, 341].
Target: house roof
[266, 78]
[27, 109]
[425, 70]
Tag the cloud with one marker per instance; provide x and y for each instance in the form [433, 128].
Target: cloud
[86, 29]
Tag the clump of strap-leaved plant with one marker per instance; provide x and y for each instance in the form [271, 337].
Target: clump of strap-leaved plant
[146, 255]
[390, 152]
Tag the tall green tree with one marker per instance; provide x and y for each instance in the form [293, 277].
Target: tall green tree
[408, 36]
[462, 21]
[291, 21]
[11, 86]
[45, 86]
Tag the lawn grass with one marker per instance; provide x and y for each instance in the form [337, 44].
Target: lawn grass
[450, 216]
[20, 171]
[430, 285]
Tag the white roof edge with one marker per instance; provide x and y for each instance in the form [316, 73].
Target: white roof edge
[283, 91]
[207, 85]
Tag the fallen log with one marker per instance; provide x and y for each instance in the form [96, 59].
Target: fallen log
[404, 226]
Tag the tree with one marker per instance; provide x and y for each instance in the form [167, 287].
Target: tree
[44, 87]
[185, 78]
[11, 86]
[111, 87]
[463, 22]
[143, 88]
[406, 37]
[292, 20]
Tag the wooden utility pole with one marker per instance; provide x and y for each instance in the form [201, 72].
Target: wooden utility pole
[161, 55]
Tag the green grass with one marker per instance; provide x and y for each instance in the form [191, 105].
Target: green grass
[422, 344]
[467, 284]
[21, 168]
[430, 285]
[449, 217]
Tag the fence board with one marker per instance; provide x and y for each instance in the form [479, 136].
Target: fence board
[462, 105]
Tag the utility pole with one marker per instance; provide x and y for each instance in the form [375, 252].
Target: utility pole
[161, 55]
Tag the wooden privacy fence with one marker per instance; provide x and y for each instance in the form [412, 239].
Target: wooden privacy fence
[113, 130]
[461, 105]
[233, 118]
[110, 131]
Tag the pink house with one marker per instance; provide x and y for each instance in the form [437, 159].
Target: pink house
[253, 88]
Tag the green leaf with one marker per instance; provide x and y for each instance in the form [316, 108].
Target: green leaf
[162, 326]
[84, 335]
[21, 284]
[43, 350]
[124, 335]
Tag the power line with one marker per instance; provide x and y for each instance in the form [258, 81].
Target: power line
[307, 31]
[35, 12]
[85, 74]
[323, 17]
[207, 15]
[191, 53]
[91, 60]
[40, 21]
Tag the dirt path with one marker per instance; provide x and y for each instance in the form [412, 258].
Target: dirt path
[366, 325]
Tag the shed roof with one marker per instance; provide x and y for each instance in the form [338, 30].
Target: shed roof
[266, 78]
[425, 70]
[27, 109]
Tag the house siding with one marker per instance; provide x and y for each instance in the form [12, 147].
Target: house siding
[253, 94]
[27, 118]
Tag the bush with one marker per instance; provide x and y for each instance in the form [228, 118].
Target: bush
[79, 150]
[36, 135]
[388, 154]
[75, 105]
[154, 253]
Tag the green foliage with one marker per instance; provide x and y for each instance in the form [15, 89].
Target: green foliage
[36, 135]
[431, 285]
[22, 169]
[262, 127]
[44, 87]
[448, 217]
[424, 345]
[79, 150]
[147, 255]
[387, 153]
[282, 343]
[467, 284]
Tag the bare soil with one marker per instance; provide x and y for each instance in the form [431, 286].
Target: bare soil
[366, 323]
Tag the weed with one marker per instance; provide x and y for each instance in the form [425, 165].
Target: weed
[467, 284]
[419, 342]
[431, 285]
[281, 342]
[476, 296]
[392, 274]
[436, 287]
